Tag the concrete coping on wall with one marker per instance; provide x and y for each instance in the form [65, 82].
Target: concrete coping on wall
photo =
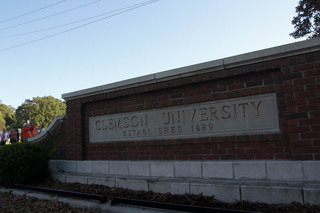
[278, 52]
[43, 134]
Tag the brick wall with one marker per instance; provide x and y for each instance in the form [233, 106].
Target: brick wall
[295, 80]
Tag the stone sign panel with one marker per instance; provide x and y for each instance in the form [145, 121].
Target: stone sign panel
[236, 116]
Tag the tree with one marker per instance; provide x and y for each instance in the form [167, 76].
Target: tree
[40, 110]
[7, 117]
[307, 21]
[2, 121]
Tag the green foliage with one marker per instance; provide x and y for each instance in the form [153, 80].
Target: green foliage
[2, 121]
[307, 21]
[40, 110]
[23, 163]
[7, 117]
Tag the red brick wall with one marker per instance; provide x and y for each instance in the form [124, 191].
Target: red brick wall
[295, 80]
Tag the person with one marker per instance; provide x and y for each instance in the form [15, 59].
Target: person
[25, 131]
[4, 136]
[31, 127]
[34, 131]
[7, 140]
[13, 136]
[18, 135]
[42, 128]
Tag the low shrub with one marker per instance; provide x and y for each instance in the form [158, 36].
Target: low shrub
[23, 163]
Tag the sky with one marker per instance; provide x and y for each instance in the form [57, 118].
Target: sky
[54, 47]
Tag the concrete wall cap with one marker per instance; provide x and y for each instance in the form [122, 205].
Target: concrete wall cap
[43, 134]
[286, 50]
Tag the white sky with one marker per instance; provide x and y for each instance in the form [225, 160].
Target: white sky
[164, 35]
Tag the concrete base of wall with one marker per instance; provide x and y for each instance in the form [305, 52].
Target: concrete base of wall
[228, 181]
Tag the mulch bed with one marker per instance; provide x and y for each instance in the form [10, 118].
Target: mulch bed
[186, 199]
[24, 204]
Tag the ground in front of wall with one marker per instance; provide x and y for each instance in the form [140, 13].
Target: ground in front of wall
[186, 199]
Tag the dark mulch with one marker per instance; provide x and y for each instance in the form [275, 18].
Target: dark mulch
[24, 204]
[186, 199]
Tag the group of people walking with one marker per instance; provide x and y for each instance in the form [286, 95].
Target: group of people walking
[11, 136]
[28, 130]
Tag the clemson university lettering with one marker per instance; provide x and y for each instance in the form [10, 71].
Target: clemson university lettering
[199, 120]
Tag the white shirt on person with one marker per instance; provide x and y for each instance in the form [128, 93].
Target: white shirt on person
[6, 135]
